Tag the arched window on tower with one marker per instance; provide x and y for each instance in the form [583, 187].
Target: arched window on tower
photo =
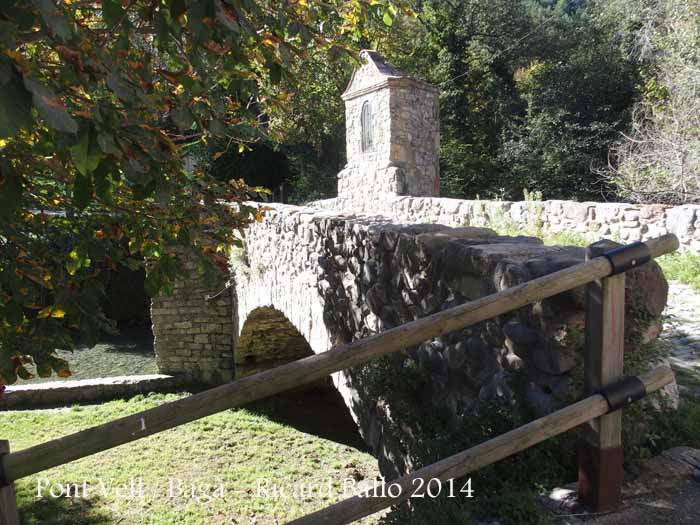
[367, 131]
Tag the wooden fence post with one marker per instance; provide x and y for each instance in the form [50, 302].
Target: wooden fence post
[8, 498]
[600, 448]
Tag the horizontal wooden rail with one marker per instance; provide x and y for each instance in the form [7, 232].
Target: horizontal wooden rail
[242, 391]
[482, 455]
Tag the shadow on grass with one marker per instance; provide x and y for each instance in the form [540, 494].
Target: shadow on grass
[63, 511]
[137, 340]
[317, 410]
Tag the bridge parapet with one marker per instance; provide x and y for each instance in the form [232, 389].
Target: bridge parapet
[339, 277]
[626, 222]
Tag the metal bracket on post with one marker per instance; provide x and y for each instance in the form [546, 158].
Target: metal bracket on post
[628, 257]
[624, 392]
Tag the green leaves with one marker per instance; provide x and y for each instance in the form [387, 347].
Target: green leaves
[108, 144]
[13, 313]
[113, 12]
[183, 118]
[86, 154]
[158, 276]
[82, 191]
[387, 19]
[15, 102]
[275, 72]
[92, 122]
[54, 19]
[10, 190]
[104, 186]
[177, 8]
[16, 97]
[120, 87]
[76, 260]
[8, 32]
[150, 249]
[50, 107]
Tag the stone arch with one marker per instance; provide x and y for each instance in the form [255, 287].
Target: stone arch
[268, 339]
[277, 284]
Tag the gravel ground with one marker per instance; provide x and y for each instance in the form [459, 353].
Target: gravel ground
[682, 327]
[129, 353]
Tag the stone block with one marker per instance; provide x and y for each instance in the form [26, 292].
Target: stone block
[632, 216]
[680, 220]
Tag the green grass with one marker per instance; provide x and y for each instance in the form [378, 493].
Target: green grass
[564, 239]
[687, 377]
[505, 226]
[683, 267]
[235, 447]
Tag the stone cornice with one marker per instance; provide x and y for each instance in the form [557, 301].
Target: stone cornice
[391, 82]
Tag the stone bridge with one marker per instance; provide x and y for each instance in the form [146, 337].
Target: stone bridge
[312, 277]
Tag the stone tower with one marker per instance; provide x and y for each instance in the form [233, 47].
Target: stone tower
[392, 133]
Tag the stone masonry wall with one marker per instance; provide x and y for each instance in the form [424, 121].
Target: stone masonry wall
[592, 220]
[381, 131]
[415, 137]
[193, 335]
[406, 137]
[405, 130]
[337, 278]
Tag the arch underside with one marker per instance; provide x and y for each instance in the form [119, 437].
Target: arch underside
[268, 339]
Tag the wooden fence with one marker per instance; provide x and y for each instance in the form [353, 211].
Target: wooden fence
[600, 473]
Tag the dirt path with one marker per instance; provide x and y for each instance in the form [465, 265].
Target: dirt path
[682, 333]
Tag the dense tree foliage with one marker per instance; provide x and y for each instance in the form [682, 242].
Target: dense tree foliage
[305, 148]
[535, 93]
[532, 94]
[98, 103]
[659, 158]
[577, 98]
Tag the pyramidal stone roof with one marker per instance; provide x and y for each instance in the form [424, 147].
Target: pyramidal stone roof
[372, 57]
[375, 73]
